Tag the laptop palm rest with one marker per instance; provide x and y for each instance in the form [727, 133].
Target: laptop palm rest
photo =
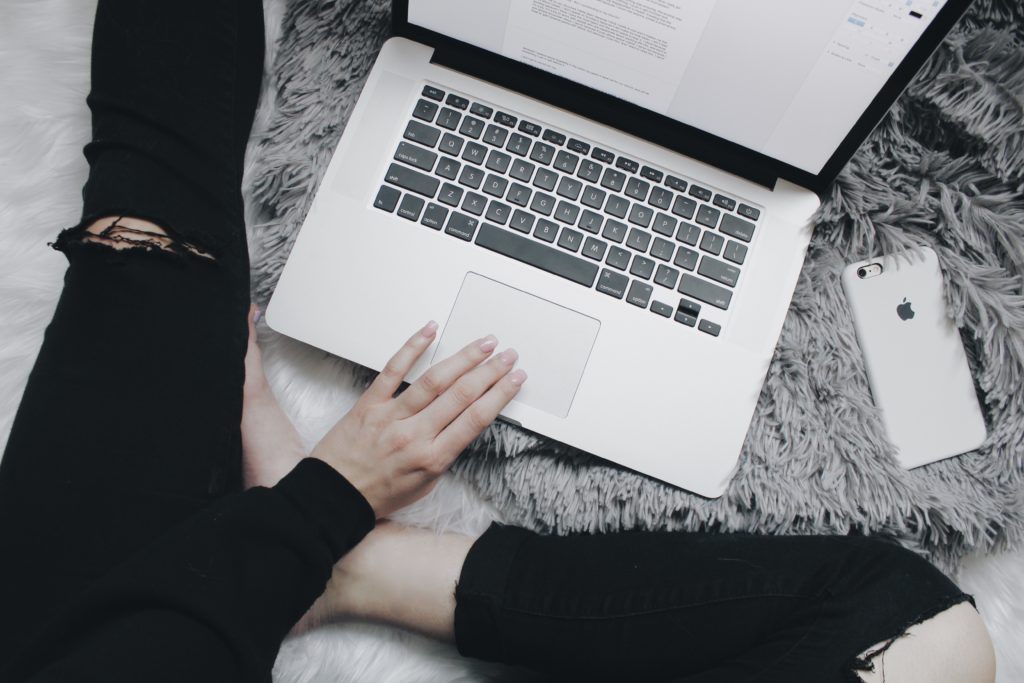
[553, 342]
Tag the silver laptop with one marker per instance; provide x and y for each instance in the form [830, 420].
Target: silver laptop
[622, 191]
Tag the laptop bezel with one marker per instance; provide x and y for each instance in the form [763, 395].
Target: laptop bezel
[665, 131]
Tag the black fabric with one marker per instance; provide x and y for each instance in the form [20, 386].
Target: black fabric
[691, 607]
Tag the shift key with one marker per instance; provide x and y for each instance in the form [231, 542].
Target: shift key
[411, 180]
[702, 290]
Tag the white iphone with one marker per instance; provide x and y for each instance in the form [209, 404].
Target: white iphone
[915, 359]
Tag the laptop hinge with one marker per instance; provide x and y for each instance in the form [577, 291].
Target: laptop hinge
[611, 111]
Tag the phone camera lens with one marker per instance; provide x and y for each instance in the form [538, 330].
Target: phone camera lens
[862, 272]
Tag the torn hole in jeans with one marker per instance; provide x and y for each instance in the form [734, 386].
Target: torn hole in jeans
[120, 237]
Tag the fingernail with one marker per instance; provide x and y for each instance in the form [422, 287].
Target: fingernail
[429, 330]
[257, 315]
[488, 343]
[517, 377]
[508, 356]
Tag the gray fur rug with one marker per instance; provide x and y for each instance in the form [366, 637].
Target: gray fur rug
[944, 169]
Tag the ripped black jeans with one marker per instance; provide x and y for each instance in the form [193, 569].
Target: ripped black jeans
[130, 421]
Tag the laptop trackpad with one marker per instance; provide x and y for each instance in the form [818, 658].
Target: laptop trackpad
[553, 342]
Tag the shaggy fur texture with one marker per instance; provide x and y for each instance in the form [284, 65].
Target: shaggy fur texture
[944, 170]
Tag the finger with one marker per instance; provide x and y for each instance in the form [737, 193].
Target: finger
[467, 389]
[481, 413]
[441, 376]
[395, 370]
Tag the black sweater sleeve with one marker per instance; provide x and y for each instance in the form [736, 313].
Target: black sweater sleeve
[213, 599]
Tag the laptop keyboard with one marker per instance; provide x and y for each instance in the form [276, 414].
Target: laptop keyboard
[569, 207]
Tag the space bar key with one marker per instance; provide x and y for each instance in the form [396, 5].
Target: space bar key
[546, 258]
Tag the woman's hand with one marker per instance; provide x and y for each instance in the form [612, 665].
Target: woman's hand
[393, 448]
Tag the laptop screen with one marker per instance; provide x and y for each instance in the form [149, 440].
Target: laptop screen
[786, 79]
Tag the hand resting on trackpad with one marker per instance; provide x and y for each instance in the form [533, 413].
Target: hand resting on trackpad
[553, 342]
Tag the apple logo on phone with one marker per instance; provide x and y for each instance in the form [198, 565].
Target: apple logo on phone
[904, 310]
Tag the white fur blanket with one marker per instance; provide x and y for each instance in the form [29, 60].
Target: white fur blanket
[44, 54]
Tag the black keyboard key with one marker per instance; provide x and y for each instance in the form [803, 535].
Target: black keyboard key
[612, 283]
[613, 180]
[724, 202]
[567, 213]
[735, 252]
[530, 128]
[737, 227]
[652, 174]
[522, 170]
[457, 101]
[546, 230]
[495, 135]
[685, 318]
[566, 161]
[545, 179]
[711, 328]
[748, 212]
[518, 144]
[593, 197]
[474, 203]
[677, 184]
[542, 153]
[638, 239]
[570, 239]
[425, 110]
[712, 243]
[530, 251]
[688, 234]
[637, 189]
[543, 203]
[471, 177]
[521, 221]
[495, 185]
[661, 309]
[641, 215]
[689, 307]
[414, 155]
[554, 137]
[591, 221]
[448, 118]
[578, 146]
[498, 212]
[422, 133]
[434, 216]
[663, 249]
[569, 187]
[505, 119]
[462, 226]
[664, 224]
[708, 216]
[602, 155]
[387, 198]
[448, 168]
[661, 198]
[519, 194]
[701, 193]
[627, 164]
[642, 267]
[414, 181]
[617, 206]
[590, 171]
[614, 231]
[716, 270]
[618, 258]
[684, 207]
[433, 93]
[472, 127]
[451, 144]
[639, 293]
[450, 194]
[594, 248]
[481, 110]
[475, 153]
[666, 276]
[702, 290]
[410, 207]
[498, 161]
[686, 258]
